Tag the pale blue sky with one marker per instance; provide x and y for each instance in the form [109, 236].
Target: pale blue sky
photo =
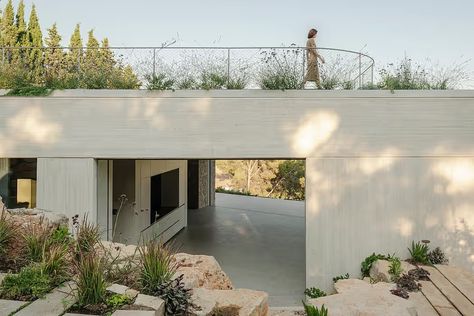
[439, 30]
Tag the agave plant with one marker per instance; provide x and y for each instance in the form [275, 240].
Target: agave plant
[419, 252]
[315, 311]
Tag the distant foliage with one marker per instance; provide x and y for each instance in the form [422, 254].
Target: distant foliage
[409, 75]
[45, 65]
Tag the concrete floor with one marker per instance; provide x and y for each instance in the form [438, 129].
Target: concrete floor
[259, 243]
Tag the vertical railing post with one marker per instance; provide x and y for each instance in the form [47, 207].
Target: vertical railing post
[154, 62]
[360, 71]
[304, 70]
[228, 67]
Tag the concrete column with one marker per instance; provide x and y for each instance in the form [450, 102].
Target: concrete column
[4, 178]
[212, 182]
[68, 186]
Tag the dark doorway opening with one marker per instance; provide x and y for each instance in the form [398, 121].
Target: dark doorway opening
[164, 196]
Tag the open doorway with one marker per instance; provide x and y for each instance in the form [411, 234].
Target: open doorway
[255, 228]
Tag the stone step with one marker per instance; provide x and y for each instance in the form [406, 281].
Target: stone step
[438, 300]
[53, 304]
[7, 306]
[461, 279]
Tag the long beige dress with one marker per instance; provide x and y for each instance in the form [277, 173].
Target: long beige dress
[312, 72]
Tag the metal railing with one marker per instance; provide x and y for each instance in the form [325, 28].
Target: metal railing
[194, 67]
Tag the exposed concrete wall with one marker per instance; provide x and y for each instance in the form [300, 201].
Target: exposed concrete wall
[68, 186]
[382, 168]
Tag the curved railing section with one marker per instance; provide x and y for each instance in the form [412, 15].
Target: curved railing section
[197, 67]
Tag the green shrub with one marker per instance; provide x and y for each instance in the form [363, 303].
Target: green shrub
[314, 292]
[437, 256]
[419, 252]
[188, 83]
[395, 268]
[159, 81]
[340, 277]
[281, 70]
[213, 80]
[230, 191]
[237, 83]
[157, 266]
[90, 282]
[60, 236]
[115, 301]
[367, 263]
[29, 91]
[29, 284]
[311, 310]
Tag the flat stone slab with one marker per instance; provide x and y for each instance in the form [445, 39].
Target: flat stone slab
[133, 313]
[7, 307]
[54, 303]
[152, 302]
[117, 289]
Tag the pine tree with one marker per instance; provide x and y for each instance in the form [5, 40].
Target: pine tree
[22, 39]
[9, 31]
[93, 77]
[35, 40]
[55, 60]
[75, 55]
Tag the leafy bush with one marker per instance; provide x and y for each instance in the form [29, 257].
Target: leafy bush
[159, 81]
[314, 292]
[395, 268]
[437, 256]
[340, 277]
[157, 266]
[367, 263]
[31, 283]
[177, 298]
[116, 301]
[91, 286]
[29, 91]
[311, 310]
[60, 236]
[281, 70]
[407, 75]
[419, 252]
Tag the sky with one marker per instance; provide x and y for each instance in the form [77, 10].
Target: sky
[439, 31]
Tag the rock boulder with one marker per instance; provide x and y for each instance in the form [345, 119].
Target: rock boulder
[201, 272]
[379, 270]
[357, 297]
[238, 302]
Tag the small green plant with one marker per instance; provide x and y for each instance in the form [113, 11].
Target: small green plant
[437, 256]
[340, 277]
[369, 261]
[395, 268]
[159, 81]
[419, 252]
[29, 284]
[90, 282]
[213, 80]
[311, 310]
[157, 266]
[236, 83]
[116, 301]
[60, 236]
[29, 91]
[314, 292]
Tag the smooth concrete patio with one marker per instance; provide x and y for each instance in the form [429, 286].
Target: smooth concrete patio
[260, 243]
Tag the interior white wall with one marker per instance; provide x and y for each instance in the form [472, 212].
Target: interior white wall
[68, 186]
